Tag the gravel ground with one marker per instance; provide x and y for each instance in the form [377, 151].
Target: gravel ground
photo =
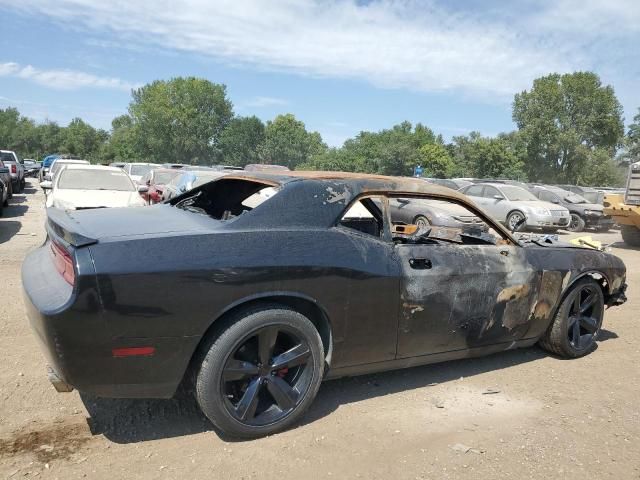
[518, 414]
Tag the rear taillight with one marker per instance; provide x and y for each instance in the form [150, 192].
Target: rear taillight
[13, 169]
[63, 263]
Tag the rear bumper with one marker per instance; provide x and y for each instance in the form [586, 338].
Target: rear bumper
[75, 335]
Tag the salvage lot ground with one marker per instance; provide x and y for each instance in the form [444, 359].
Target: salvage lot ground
[520, 414]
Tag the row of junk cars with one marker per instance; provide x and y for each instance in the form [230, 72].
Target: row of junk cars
[74, 184]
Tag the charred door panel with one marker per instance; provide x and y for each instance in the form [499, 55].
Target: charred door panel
[455, 297]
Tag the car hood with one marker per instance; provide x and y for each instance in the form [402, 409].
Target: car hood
[74, 199]
[588, 206]
[533, 204]
[161, 219]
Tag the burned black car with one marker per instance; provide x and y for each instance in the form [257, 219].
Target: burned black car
[257, 286]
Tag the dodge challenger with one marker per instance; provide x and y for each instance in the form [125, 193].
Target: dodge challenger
[255, 287]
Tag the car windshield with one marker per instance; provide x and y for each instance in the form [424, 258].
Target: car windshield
[203, 178]
[90, 179]
[517, 194]
[140, 170]
[163, 178]
[59, 164]
[570, 197]
[6, 157]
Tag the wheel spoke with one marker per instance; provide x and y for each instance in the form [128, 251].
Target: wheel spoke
[590, 324]
[285, 396]
[266, 341]
[246, 408]
[575, 308]
[588, 302]
[293, 357]
[238, 370]
[575, 333]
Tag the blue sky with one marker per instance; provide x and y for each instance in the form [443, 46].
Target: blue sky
[340, 66]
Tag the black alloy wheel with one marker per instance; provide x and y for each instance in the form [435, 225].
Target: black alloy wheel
[585, 317]
[266, 376]
[576, 324]
[259, 370]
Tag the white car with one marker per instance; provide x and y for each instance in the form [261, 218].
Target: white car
[92, 186]
[57, 165]
[138, 170]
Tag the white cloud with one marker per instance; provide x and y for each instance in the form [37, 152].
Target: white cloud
[62, 79]
[423, 45]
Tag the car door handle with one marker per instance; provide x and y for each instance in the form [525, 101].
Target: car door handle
[420, 263]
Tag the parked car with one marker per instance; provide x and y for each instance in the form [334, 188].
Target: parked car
[60, 163]
[16, 169]
[46, 165]
[78, 186]
[188, 179]
[425, 213]
[138, 170]
[118, 164]
[262, 167]
[590, 194]
[156, 181]
[517, 208]
[5, 180]
[31, 168]
[452, 183]
[584, 214]
[256, 306]
[176, 166]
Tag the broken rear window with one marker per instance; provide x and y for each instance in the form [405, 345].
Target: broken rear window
[227, 198]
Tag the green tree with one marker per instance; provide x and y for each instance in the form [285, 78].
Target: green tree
[486, 157]
[560, 117]
[436, 160]
[600, 170]
[287, 142]
[180, 120]
[242, 142]
[122, 144]
[632, 140]
[80, 138]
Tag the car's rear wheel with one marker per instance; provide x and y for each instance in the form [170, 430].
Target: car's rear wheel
[421, 221]
[577, 323]
[10, 189]
[261, 373]
[576, 224]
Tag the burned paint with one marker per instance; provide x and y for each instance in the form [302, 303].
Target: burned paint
[377, 305]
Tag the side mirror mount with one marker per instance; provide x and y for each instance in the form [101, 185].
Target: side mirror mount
[47, 176]
[555, 200]
[143, 189]
[46, 185]
[498, 197]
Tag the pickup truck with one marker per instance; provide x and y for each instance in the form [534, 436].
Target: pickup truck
[16, 169]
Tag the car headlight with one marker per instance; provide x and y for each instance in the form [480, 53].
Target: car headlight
[541, 211]
[593, 212]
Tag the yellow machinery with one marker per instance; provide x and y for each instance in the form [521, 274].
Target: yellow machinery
[625, 210]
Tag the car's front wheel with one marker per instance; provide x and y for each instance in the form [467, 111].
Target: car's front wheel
[516, 221]
[261, 373]
[576, 224]
[577, 322]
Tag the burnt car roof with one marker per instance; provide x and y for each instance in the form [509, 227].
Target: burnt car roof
[360, 182]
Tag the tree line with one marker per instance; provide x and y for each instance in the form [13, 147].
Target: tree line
[569, 129]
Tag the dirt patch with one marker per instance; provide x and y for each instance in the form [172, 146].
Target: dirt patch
[55, 442]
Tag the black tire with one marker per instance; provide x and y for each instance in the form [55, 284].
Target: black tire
[630, 235]
[576, 224]
[421, 221]
[511, 219]
[18, 187]
[566, 339]
[10, 190]
[237, 351]
[23, 183]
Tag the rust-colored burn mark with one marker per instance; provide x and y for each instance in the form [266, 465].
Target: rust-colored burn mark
[516, 303]
[54, 442]
[551, 285]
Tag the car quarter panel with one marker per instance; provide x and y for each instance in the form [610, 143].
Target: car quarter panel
[148, 292]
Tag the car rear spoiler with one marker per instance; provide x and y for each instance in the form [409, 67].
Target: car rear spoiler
[60, 223]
